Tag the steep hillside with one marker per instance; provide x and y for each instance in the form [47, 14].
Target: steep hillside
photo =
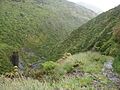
[99, 34]
[92, 7]
[34, 26]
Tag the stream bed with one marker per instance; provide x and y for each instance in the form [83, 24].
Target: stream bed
[108, 72]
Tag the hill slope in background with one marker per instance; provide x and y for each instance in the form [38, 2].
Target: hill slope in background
[94, 8]
[34, 26]
[99, 34]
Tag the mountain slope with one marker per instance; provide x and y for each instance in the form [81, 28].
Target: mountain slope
[99, 34]
[94, 8]
[32, 27]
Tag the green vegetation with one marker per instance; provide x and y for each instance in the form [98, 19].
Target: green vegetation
[34, 27]
[82, 79]
[116, 64]
[49, 65]
[88, 66]
[44, 29]
[100, 34]
[5, 64]
[86, 61]
[31, 84]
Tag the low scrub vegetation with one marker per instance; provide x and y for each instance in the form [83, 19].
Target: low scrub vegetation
[76, 72]
[116, 64]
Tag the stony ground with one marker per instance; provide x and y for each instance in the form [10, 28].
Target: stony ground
[87, 71]
[108, 72]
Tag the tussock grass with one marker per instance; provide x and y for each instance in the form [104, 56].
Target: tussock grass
[91, 63]
[88, 61]
[31, 84]
[64, 84]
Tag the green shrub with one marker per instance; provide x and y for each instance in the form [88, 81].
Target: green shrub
[68, 67]
[116, 64]
[49, 65]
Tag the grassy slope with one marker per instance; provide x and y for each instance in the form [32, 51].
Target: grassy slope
[101, 34]
[36, 25]
[90, 63]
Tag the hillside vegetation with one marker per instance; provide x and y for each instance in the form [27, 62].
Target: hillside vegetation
[100, 34]
[77, 59]
[81, 71]
[33, 27]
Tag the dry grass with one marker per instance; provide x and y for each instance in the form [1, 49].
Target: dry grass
[88, 62]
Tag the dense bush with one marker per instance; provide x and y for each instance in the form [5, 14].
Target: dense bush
[5, 64]
[97, 34]
[116, 64]
[116, 33]
[37, 25]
